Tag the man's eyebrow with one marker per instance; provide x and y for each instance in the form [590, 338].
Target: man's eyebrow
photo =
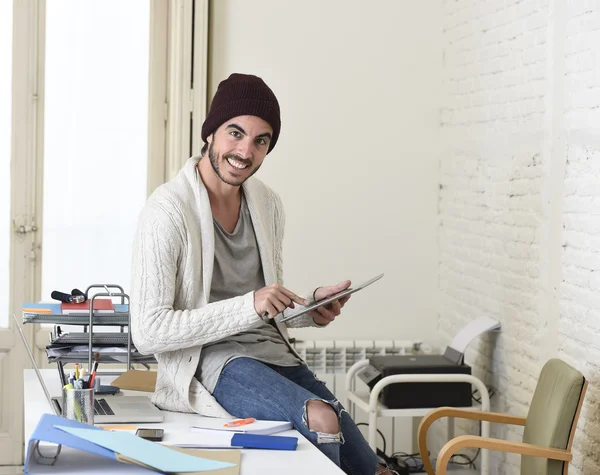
[235, 126]
[260, 136]
[266, 134]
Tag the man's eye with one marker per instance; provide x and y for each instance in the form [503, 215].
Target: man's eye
[261, 141]
[235, 133]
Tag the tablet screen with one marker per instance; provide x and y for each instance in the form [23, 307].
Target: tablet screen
[328, 300]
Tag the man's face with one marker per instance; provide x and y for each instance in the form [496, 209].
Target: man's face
[237, 148]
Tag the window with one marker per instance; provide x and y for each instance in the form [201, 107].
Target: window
[95, 140]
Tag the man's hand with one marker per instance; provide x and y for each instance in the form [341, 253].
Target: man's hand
[274, 299]
[327, 313]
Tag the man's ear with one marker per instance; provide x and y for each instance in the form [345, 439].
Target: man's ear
[209, 139]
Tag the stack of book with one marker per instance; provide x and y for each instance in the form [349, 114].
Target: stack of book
[100, 306]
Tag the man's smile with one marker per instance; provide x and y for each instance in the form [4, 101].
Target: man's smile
[237, 163]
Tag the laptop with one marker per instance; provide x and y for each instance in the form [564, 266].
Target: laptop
[108, 409]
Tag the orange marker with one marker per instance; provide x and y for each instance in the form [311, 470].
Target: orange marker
[239, 422]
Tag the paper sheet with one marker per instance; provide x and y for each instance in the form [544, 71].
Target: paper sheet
[231, 456]
[136, 380]
[472, 331]
[256, 427]
[199, 438]
[120, 427]
[145, 452]
[82, 348]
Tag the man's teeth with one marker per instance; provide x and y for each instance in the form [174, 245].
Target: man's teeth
[236, 164]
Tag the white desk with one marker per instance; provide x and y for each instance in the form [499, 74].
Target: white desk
[305, 459]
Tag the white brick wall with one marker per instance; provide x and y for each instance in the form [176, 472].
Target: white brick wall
[579, 325]
[521, 161]
[520, 198]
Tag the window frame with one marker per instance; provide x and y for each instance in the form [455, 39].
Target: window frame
[173, 103]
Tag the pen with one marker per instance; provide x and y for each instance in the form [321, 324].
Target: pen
[93, 373]
[239, 422]
[76, 370]
[96, 360]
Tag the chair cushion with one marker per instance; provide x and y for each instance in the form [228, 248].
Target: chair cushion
[551, 415]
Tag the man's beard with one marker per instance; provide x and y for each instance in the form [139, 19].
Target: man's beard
[214, 161]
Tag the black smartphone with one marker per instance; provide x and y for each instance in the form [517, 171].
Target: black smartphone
[150, 434]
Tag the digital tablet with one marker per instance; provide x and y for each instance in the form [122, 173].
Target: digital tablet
[328, 300]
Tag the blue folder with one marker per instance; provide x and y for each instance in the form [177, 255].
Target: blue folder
[259, 441]
[64, 432]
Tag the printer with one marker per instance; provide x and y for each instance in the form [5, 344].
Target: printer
[425, 394]
[415, 395]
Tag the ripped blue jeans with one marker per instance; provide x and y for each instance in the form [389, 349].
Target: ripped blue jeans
[250, 388]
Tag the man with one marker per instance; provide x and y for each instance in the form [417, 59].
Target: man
[207, 286]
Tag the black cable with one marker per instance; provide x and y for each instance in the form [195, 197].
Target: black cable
[470, 462]
[491, 391]
[379, 432]
[414, 461]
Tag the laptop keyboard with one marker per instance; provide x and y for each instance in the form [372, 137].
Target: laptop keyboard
[101, 408]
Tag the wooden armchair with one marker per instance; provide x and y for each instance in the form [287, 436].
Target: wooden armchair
[549, 425]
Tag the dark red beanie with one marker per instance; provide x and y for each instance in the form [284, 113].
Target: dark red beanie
[243, 94]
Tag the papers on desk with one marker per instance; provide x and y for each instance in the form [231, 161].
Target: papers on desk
[103, 350]
[136, 449]
[31, 309]
[120, 446]
[198, 439]
[256, 427]
[214, 439]
[113, 353]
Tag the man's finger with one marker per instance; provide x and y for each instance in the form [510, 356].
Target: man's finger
[294, 297]
[336, 307]
[271, 311]
[283, 298]
[343, 285]
[326, 313]
[278, 304]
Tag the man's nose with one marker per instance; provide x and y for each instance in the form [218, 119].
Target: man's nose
[245, 148]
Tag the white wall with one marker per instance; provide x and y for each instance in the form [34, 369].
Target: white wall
[579, 325]
[519, 207]
[493, 218]
[357, 160]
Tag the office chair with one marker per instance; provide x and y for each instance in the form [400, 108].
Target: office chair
[549, 426]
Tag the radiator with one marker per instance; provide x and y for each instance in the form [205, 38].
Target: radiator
[330, 361]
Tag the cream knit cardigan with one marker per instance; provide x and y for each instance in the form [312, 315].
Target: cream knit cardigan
[172, 270]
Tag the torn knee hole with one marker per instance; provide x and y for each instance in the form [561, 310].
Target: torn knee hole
[321, 417]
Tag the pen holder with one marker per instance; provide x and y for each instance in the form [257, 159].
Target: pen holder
[78, 405]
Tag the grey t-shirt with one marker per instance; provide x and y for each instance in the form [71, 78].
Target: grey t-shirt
[238, 270]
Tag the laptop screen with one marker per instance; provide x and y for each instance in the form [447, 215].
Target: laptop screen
[52, 402]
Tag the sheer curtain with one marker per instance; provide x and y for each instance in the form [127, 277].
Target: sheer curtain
[95, 157]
